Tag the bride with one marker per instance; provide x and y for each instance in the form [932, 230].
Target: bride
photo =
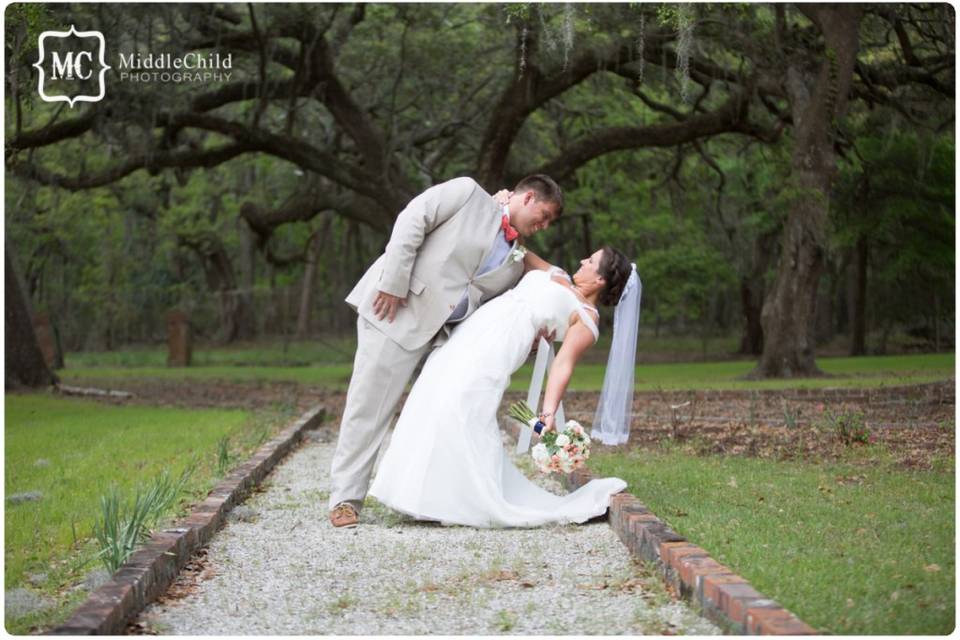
[446, 460]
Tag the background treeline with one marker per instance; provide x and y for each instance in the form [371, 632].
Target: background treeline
[255, 204]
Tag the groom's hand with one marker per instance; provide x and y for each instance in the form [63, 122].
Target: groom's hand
[386, 305]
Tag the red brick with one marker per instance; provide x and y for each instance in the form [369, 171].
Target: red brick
[638, 521]
[672, 552]
[775, 621]
[617, 499]
[712, 584]
[735, 599]
[666, 547]
[693, 567]
[771, 621]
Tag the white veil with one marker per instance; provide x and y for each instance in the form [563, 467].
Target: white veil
[611, 424]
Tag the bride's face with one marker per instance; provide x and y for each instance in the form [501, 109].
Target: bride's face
[589, 272]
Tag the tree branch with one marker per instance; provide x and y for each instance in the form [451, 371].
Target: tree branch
[729, 118]
[53, 133]
[152, 162]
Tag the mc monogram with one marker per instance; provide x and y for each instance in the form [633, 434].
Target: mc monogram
[62, 76]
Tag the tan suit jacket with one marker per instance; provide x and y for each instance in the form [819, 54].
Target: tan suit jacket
[436, 248]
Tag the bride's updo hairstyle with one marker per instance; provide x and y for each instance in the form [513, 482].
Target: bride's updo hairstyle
[615, 269]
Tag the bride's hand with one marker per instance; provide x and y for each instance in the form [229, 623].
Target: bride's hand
[549, 423]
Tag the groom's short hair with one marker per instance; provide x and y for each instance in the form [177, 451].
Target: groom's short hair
[545, 188]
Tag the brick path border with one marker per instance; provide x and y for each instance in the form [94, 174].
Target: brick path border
[723, 596]
[150, 571]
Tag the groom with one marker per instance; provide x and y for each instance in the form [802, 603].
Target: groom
[452, 249]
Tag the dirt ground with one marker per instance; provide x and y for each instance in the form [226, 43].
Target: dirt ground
[914, 424]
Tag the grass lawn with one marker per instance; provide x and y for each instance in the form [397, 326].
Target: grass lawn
[339, 350]
[851, 548]
[846, 372]
[72, 451]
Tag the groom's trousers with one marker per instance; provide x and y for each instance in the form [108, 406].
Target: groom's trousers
[381, 371]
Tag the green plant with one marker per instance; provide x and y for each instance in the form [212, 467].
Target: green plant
[848, 427]
[505, 620]
[341, 604]
[121, 528]
[117, 532]
[223, 455]
[789, 417]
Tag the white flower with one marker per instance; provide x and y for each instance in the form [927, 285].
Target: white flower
[563, 440]
[517, 254]
[539, 452]
[563, 455]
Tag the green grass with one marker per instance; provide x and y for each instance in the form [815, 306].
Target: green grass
[868, 371]
[339, 349]
[870, 557]
[275, 354]
[846, 372]
[90, 447]
[328, 376]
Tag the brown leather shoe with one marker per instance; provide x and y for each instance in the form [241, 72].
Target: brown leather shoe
[344, 515]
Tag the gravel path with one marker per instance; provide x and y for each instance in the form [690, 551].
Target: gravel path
[280, 568]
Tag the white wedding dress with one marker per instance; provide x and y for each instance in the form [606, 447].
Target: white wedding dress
[446, 460]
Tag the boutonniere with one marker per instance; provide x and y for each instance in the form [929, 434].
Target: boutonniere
[516, 255]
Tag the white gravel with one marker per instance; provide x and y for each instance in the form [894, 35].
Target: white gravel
[282, 569]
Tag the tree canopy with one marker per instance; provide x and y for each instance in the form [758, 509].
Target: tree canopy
[715, 143]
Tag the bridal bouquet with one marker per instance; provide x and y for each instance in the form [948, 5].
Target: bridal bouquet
[556, 452]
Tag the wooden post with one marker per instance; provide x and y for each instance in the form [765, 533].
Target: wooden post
[179, 339]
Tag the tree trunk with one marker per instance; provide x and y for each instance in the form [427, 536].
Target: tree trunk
[936, 322]
[858, 341]
[248, 278]
[306, 291]
[752, 292]
[25, 366]
[751, 300]
[234, 313]
[790, 308]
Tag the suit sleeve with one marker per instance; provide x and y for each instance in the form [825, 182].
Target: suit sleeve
[425, 213]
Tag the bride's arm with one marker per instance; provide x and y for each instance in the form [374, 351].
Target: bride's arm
[575, 343]
[532, 261]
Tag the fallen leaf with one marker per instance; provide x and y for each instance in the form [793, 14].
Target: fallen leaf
[932, 568]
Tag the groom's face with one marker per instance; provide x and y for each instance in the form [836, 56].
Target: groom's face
[530, 215]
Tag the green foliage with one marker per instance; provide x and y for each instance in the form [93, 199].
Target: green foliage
[898, 193]
[223, 455]
[108, 263]
[849, 427]
[123, 527]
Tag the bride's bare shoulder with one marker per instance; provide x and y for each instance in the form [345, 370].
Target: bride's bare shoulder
[560, 278]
